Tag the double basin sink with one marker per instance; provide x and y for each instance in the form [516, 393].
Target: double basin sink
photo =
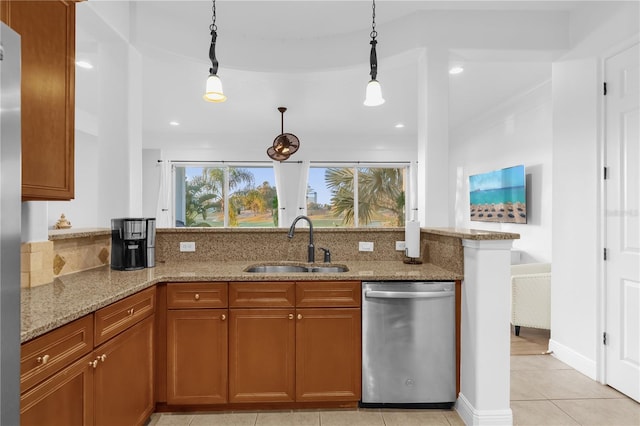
[278, 268]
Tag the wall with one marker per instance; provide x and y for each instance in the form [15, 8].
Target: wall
[516, 132]
[576, 285]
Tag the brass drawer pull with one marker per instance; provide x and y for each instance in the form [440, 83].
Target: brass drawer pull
[130, 312]
[94, 363]
[290, 316]
[223, 317]
[43, 359]
[102, 357]
[197, 296]
[299, 316]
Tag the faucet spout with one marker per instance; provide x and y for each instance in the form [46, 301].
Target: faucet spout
[311, 256]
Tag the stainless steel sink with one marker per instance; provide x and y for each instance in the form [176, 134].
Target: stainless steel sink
[277, 268]
[328, 269]
[297, 268]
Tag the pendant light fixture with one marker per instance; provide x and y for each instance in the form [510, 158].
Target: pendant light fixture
[213, 92]
[373, 95]
[285, 144]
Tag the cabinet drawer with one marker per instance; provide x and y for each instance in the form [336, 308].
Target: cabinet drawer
[262, 294]
[121, 315]
[49, 353]
[324, 294]
[196, 295]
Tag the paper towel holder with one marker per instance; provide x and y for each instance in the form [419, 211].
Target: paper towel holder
[412, 243]
[411, 260]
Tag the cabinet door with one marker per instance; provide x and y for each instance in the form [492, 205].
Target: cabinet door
[261, 355]
[328, 357]
[47, 30]
[66, 398]
[197, 356]
[124, 377]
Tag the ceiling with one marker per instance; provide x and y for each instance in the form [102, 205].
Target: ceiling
[312, 57]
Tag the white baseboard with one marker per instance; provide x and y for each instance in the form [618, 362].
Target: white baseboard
[573, 359]
[471, 416]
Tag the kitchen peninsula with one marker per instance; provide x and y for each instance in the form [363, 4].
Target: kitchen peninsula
[479, 259]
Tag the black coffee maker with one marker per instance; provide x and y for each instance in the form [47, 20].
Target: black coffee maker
[128, 244]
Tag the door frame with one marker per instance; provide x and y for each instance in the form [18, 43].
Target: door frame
[601, 308]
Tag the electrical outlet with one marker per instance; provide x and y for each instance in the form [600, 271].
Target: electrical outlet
[188, 246]
[365, 246]
[400, 246]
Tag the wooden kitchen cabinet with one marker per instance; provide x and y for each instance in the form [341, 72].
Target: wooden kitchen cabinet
[68, 379]
[66, 398]
[123, 380]
[262, 342]
[328, 341]
[328, 360]
[197, 343]
[56, 380]
[47, 30]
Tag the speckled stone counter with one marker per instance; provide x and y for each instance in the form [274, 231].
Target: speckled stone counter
[223, 255]
[71, 296]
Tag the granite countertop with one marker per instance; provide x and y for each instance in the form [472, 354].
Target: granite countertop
[72, 296]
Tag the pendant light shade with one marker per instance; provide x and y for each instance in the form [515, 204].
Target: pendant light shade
[373, 95]
[213, 91]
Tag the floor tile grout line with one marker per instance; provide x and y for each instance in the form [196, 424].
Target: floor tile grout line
[560, 408]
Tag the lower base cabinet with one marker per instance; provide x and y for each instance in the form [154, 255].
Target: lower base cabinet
[262, 355]
[197, 356]
[66, 398]
[328, 366]
[123, 379]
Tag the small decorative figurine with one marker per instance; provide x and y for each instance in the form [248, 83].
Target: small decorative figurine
[63, 223]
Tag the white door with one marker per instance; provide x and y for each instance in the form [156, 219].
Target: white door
[622, 108]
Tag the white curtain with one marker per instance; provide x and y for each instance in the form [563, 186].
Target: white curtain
[163, 212]
[291, 187]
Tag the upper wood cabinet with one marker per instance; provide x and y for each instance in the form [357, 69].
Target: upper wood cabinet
[47, 30]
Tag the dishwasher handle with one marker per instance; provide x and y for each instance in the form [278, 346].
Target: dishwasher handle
[377, 294]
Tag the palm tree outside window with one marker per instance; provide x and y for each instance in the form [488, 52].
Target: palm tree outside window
[220, 196]
[378, 199]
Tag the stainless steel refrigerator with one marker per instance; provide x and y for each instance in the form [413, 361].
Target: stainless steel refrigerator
[10, 178]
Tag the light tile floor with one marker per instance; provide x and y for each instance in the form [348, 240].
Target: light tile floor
[544, 391]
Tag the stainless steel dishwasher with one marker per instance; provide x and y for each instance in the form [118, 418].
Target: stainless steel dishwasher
[408, 344]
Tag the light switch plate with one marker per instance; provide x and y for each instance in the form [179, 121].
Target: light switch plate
[365, 246]
[187, 246]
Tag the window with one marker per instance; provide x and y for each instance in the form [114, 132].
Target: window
[378, 200]
[220, 196]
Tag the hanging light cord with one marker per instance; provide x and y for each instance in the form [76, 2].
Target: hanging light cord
[373, 58]
[214, 35]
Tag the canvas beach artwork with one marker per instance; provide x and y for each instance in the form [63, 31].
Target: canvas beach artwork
[499, 196]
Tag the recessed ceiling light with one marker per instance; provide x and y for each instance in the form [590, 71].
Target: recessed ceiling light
[456, 70]
[399, 126]
[84, 64]
[174, 123]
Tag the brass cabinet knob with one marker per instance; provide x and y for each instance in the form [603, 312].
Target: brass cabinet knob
[93, 363]
[102, 357]
[130, 312]
[43, 359]
[197, 296]
[223, 317]
[299, 316]
[290, 316]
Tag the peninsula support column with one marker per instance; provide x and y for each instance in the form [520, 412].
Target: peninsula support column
[433, 137]
[485, 334]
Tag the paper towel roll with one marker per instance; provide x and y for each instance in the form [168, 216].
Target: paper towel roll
[412, 238]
